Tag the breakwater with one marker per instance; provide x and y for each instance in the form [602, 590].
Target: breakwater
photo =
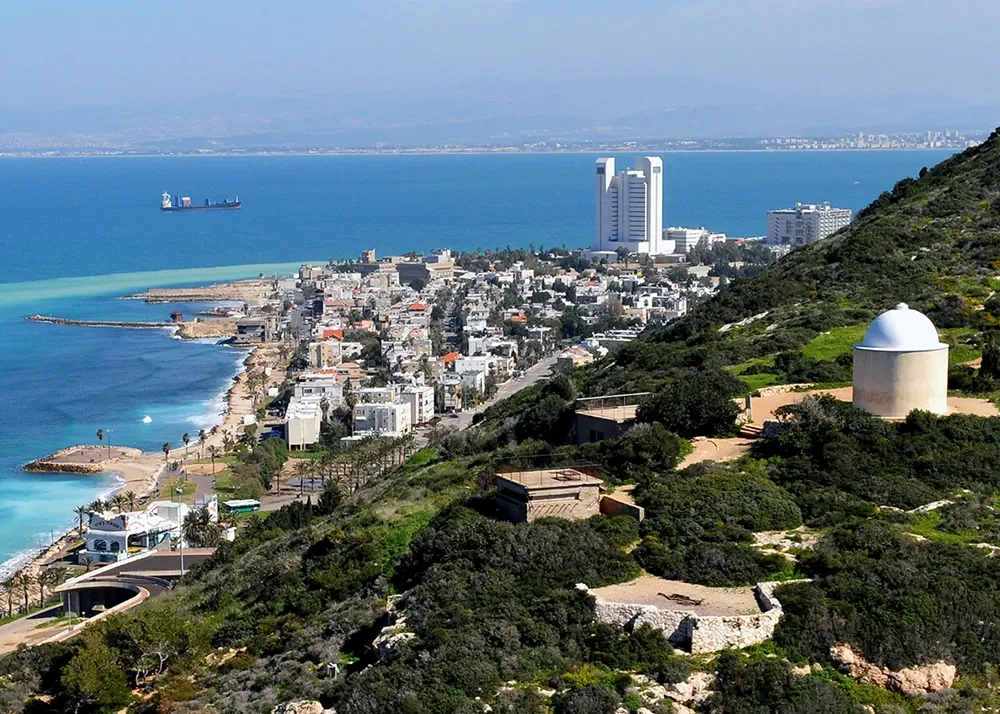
[83, 459]
[96, 323]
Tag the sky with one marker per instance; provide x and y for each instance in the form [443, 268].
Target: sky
[60, 55]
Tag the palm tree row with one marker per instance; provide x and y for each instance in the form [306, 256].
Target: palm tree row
[120, 502]
[354, 468]
[19, 587]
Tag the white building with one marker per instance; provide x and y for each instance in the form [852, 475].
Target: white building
[421, 402]
[805, 224]
[113, 537]
[901, 365]
[382, 419]
[303, 422]
[682, 240]
[320, 386]
[629, 206]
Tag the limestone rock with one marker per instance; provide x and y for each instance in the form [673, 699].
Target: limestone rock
[692, 691]
[303, 706]
[911, 681]
[924, 679]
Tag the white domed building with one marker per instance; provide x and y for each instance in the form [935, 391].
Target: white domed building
[901, 365]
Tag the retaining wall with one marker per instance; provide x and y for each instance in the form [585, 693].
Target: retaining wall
[698, 633]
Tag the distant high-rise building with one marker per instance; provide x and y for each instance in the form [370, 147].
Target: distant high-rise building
[805, 224]
[683, 240]
[629, 206]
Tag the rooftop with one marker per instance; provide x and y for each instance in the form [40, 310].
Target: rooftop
[677, 595]
[548, 478]
[618, 414]
[901, 330]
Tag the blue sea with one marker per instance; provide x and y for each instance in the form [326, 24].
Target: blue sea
[75, 234]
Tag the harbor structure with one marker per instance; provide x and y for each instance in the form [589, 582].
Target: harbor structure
[805, 223]
[629, 206]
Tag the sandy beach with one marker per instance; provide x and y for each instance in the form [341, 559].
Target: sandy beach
[140, 472]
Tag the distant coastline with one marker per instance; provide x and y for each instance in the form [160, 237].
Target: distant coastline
[481, 151]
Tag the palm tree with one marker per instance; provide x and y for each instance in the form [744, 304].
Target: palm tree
[100, 435]
[187, 440]
[45, 578]
[23, 581]
[303, 469]
[166, 452]
[213, 452]
[80, 512]
[227, 442]
[129, 498]
[202, 438]
[7, 587]
[87, 562]
[118, 501]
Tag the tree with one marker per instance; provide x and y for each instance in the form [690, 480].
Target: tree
[80, 512]
[303, 470]
[187, 440]
[23, 582]
[199, 530]
[698, 404]
[623, 253]
[8, 589]
[129, 499]
[94, 678]
[202, 438]
[100, 437]
[990, 366]
[49, 578]
[213, 452]
[118, 501]
[87, 562]
[166, 452]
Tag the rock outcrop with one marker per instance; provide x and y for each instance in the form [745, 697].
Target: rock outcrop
[911, 681]
[692, 692]
[303, 706]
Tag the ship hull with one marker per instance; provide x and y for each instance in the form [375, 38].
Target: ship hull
[179, 209]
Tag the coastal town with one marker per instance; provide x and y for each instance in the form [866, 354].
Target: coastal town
[345, 359]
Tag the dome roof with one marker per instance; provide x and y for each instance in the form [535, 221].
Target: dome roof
[902, 330]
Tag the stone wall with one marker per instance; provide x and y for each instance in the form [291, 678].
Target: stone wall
[611, 506]
[694, 632]
[781, 389]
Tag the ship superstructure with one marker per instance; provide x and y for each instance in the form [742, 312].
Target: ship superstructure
[183, 203]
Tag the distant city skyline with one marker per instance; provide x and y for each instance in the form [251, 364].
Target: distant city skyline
[445, 71]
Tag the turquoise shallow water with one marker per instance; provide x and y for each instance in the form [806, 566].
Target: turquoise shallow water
[64, 220]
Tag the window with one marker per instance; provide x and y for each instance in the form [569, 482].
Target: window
[100, 545]
[115, 546]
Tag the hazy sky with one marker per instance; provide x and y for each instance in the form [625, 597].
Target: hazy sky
[72, 54]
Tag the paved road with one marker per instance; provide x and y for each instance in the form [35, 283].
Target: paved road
[508, 389]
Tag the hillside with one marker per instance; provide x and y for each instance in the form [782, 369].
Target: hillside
[932, 242]
[407, 592]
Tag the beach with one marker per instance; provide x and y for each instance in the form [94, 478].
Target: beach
[140, 472]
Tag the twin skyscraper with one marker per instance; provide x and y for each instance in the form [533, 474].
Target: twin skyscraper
[629, 206]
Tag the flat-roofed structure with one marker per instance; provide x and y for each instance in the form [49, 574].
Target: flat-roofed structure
[544, 493]
[599, 418]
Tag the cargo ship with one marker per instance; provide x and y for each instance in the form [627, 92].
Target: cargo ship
[183, 203]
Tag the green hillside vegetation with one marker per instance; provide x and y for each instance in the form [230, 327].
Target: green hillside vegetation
[291, 608]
